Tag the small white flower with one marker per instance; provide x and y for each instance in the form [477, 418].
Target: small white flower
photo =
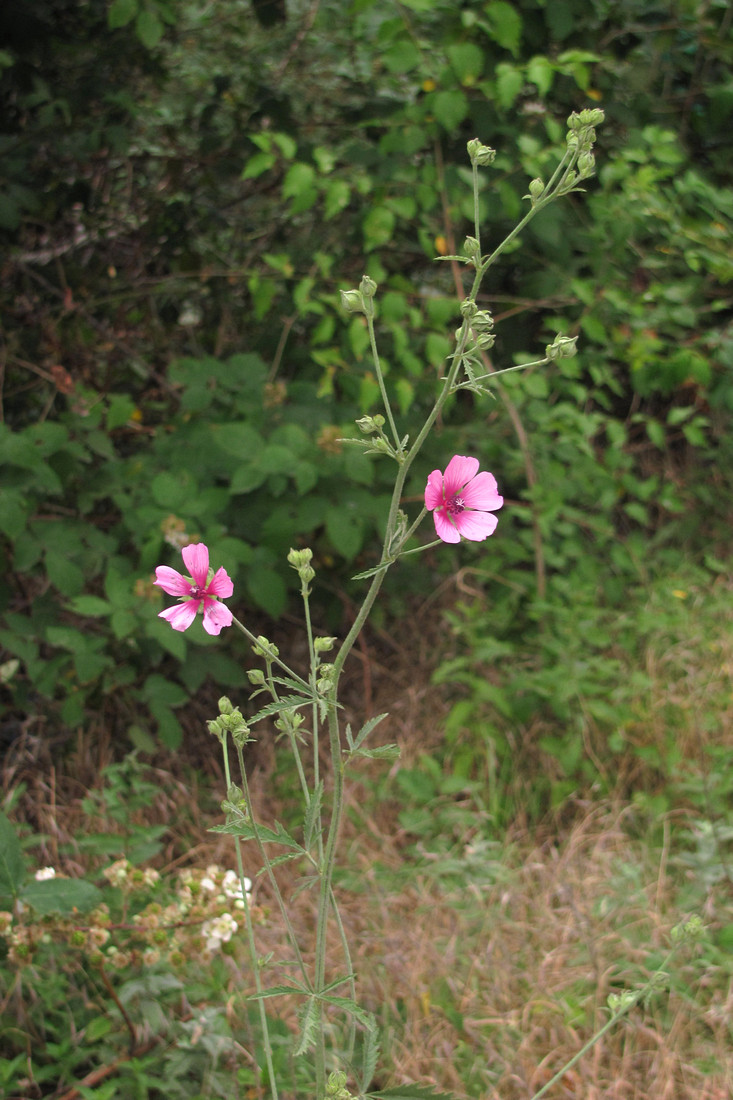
[231, 885]
[45, 873]
[208, 884]
[218, 931]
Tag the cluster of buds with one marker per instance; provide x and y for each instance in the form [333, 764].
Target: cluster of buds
[480, 154]
[581, 137]
[336, 1086]
[373, 426]
[562, 347]
[230, 722]
[300, 560]
[361, 300]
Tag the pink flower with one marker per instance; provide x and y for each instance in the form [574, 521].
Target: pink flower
[462, 500]
[196, 592]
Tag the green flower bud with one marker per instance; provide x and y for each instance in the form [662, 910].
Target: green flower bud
[562, 347]
[352, 301]
[225, 705]
[482, 320]
[265, 648]
[486, 340]
[299, 558]
[469, 308]
[368, 287]
[471, 247]
[324, 645]
[479, 153]
[255, 676]
[536, 190]
[214, 728]
[369, 424]
[586, 164]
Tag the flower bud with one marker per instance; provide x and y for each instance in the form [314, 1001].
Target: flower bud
[352, 301]
[482, 320]
[369, 424]
[536, 190]
[225, 705]
[255, 676]
[368, 287]
[586, 163]
[324, 645]
[468, 308]
[562, 347]
[298, 558]
[479, 153]
[471, 248]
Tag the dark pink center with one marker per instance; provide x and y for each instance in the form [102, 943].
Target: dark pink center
[455, 505]
[196, 591]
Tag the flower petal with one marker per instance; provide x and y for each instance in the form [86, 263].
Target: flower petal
[171, 581]
[221, 584]
[444, 528]
[196, 558]
[482, 492]
[476, 526]
[434, 490]
[458, 472]
[181, 615]
[216, 615]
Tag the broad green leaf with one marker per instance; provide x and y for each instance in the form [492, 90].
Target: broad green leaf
[121, 12]
[467, 61]
[509, 83]
[345, 529]
[257, 165]
[541, 73]
[90, 605]
[63, 573]
[61, 895]
[12, 865]
[149, 28]
[378, 227]
[506, 24]
[449, 108]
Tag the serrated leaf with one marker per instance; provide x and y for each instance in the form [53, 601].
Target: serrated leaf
[12, 865]
[61, 895]
[279, 991]
[381, 752]
[246, 831]
[409, 1092]
[369, 1054]
[367, 728]
[309, 1018]
[288, 702]
[350, 1006]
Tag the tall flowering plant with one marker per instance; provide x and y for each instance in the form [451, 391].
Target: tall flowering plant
[464, 501]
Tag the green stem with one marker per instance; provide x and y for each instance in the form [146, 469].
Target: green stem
[252, 946]
[380, 379]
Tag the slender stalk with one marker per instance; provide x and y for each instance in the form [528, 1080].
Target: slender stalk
[252, 947]
[380, 379]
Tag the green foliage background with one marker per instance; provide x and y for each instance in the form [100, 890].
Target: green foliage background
[176, 364]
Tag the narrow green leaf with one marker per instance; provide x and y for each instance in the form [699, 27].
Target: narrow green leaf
[288, 702]
[381, 752]
[246, 831]
[367, 728]
[12, 866]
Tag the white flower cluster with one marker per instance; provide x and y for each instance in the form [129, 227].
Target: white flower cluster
[218, 931]
[44, 873]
